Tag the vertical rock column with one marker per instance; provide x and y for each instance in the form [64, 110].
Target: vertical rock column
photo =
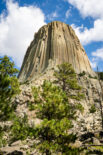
[57, 42]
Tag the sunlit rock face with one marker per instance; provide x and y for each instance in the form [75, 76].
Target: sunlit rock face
[54, 43]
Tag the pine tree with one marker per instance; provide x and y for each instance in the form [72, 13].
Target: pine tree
[56, 115]
[67, 80]
[9, 86]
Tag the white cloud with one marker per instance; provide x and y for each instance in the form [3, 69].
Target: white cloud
[89, 35]
[52, 16]
[17, 29]
[67, 14]
[93, 8]
[98, 53]
[97, 56]
[93, 64]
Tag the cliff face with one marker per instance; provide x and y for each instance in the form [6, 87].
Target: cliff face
[54, 44]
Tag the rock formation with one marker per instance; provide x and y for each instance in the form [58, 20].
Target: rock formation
[54, 44]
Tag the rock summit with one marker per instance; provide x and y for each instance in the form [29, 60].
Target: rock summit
[54, 43]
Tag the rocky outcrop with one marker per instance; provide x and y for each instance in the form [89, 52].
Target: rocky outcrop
[90, 88]
[54, 44]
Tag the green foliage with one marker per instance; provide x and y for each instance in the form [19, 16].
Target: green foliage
[52, 102]
[52, 107]
[2, 139]
[8, 81]
[92, 109]
[31, 106]
[94, 150]
[100, 75]
[66, 77]
[93, 77]
[9, 86]
[21, 130]
[80, 107]
[1, 136]
[78, 96]
[82, 74]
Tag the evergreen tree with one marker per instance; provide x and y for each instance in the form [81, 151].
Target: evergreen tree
[9, 86]
[67, 80]
[56, 116]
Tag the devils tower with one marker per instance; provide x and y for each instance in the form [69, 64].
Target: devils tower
[57, 43]
[54, 43]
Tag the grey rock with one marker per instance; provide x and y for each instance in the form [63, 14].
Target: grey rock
[96, 141]
[11, 150]
[17, 143]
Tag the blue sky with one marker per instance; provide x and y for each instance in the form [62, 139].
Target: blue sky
[20, 19]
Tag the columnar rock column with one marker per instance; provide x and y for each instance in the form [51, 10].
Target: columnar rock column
[55, 42]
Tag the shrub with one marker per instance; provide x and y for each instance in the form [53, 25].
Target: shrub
[21, 130]
[82, 74]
